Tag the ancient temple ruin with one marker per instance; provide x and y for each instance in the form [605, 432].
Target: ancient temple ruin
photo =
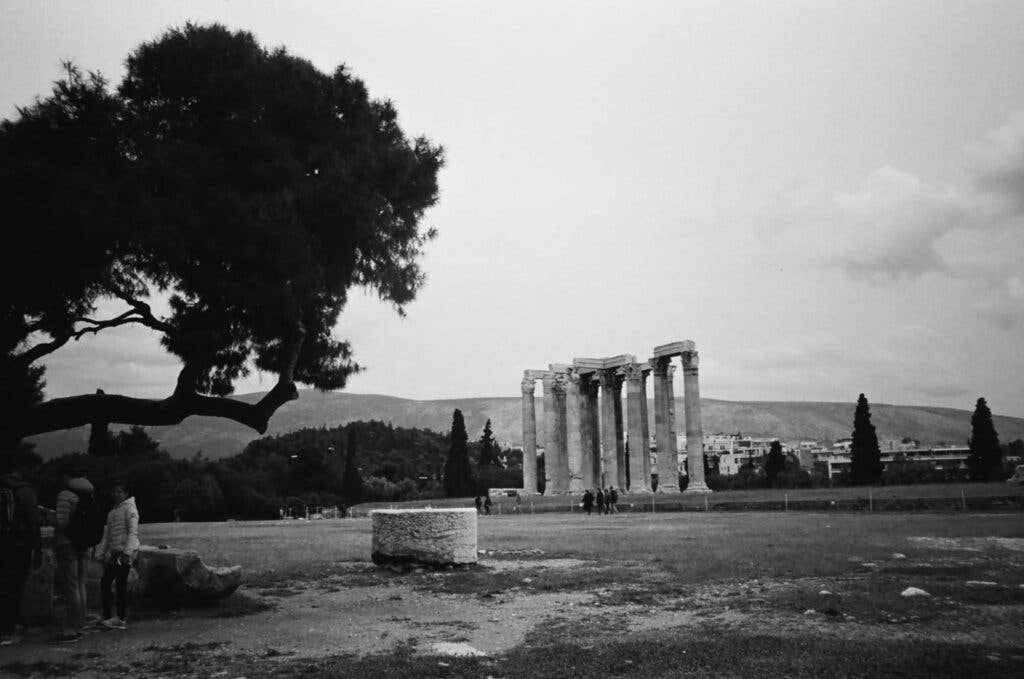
[584, 440]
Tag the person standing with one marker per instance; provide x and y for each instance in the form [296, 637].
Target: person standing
[487, 505]
[588, 501]
[519, 502]
[117, 552]
[73, 502]
[20, 550]
[479, 504]
[600, 502]
[613, 501]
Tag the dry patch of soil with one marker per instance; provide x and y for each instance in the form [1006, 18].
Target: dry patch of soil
[511, 600]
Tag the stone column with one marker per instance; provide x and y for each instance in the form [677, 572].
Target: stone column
[609, 432]
[668, 473]
[529, 439]
[550, 440]
[662, 423]
[558, 478]
[574, 432]
[694, 429]
[586, 434]
[620, 435]
[645, 434]
[634, 420]
[595, 432]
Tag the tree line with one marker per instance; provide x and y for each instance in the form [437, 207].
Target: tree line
[985, 461]
[340, 466]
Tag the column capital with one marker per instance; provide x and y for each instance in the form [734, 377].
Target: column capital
[527, 386]
[633, 371]
[606, 378]
[670, 371]
[559, 383]
[660, 365]
[691, 361]
[548, 380]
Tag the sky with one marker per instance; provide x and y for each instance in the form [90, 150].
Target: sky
[827, 197]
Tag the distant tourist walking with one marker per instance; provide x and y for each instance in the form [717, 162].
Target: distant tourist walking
[117, 552]
[613, 501]
[588, 501]
[76, 521]
[487, 505]
[20, 550]
[519, 501]
[479, 504]
[600, 502]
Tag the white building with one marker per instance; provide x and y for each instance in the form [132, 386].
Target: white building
[838, 459]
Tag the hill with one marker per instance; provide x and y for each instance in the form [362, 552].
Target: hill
[789, 420]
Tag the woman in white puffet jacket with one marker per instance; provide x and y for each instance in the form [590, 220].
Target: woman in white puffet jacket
[117, 552]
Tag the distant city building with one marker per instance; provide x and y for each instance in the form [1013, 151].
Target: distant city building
[838, 460]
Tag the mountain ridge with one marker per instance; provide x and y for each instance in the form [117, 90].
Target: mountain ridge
[788, 420]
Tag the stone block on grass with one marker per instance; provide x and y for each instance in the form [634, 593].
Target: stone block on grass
[179, 576]
[432, 537]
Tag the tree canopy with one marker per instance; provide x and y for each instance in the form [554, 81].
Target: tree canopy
[489, 452]
[986, 456]
[245, 186]
[865, 455]
[458, 475]
[774, 464]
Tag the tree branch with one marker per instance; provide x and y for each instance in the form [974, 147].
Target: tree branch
[144, 311]
[36, 352]
[77, 411]
[29, 356]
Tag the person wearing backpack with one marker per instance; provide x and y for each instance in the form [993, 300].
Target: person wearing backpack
[20, 549]
[75, 511]
[117, 552]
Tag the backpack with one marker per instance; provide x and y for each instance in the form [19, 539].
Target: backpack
[6, 511]
[85, 529]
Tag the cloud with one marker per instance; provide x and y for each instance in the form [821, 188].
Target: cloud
[820, 366]
[896, 226]
[999, 163]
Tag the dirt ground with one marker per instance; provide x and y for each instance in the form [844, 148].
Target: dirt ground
[515, 599]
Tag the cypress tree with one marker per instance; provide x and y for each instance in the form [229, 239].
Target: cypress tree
[352, 481]
[865, 455]
[775, 464]
[458, 476]
[986, 457]
[488, 453]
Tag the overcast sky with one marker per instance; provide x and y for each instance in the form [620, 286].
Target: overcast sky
[828, 198]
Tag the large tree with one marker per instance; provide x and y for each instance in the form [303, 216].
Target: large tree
[242, 185]
[865, 455]
[986, 456]
[458, 475]
[489, 451]
[352, 481]
[775, 463]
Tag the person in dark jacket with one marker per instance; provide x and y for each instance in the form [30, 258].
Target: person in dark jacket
[487, 505]
[612, 502]
[20, 551]
[588, 501]
[479, 504]
[70, 559]
[600, 501]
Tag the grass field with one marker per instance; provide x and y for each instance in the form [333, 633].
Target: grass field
[693, 546]
[941, 496]
[731, 594]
